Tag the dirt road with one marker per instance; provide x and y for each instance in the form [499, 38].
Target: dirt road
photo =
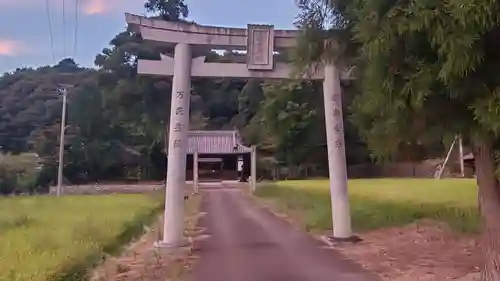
[247, 243]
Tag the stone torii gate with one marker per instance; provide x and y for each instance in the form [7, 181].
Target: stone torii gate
[260, 42]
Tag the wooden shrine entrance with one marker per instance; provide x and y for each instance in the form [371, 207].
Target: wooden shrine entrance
[217, 156]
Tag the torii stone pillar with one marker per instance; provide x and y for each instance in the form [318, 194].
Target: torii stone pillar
[260, 42]
[177, 147]
[253, 169]
[332, 96]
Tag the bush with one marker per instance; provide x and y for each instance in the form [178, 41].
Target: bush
[19, 173]
[8, 180]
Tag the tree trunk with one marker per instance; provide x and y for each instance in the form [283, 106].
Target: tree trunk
[489, 201]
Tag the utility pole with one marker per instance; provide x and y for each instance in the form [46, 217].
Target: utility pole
[62, 90]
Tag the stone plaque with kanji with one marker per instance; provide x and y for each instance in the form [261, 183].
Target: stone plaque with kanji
[260, 47]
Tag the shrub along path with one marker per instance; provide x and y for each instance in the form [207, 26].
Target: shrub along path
[249, 243]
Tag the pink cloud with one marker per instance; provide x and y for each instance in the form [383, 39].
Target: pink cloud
[95, 7]
[10, 47]
[86, 7]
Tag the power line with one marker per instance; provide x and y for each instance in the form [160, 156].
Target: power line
[64, 26]
[51, 38]
[75, 33]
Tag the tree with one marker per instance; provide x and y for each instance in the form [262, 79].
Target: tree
[426, 72]
[249, 100]
[141, 101]
[290, 116]
[169, 10]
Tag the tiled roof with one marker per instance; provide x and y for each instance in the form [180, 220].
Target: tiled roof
[215, 142]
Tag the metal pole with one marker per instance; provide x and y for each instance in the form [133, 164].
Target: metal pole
[61, 144]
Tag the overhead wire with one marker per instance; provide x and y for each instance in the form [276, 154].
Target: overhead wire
[64, 26]
[74, 49]
[75, 31]
[51, 37]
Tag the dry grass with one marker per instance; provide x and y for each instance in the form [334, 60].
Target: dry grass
[142, 261]
[423, 251]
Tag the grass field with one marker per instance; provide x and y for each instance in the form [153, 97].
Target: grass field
[49, 238]
[378, 203]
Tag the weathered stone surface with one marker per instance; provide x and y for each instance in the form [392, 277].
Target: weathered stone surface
[260, 47]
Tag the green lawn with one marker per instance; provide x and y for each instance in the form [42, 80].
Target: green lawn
[377, 203]
[49, 238]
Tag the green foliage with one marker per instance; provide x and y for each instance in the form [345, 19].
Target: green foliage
[249, 101]
[289, 114]
[28, 102]
[19, 173]
[169, 10]
[8, 180]
[425, 69]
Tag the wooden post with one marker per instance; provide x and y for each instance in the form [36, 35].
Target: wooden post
[461, 156]
[441, 169]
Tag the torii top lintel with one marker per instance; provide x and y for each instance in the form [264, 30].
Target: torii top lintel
[216, 37]
[260, 42]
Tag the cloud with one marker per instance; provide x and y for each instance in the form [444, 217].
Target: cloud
[95, 7]
[10, 48]
[86, 7]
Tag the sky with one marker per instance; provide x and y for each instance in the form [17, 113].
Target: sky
[24, 25]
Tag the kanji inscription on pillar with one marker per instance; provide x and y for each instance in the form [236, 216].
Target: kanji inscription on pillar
[337, 128]
[336, 112]
[260, 47]
[336, 98]
[180, 95]
[177, 143]
[336, 101]
[179, 111]
[338, 143]
[178, 127]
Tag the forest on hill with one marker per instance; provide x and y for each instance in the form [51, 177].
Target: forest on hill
[117, 120]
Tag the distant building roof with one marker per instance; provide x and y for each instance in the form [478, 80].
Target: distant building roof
[216, 142]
